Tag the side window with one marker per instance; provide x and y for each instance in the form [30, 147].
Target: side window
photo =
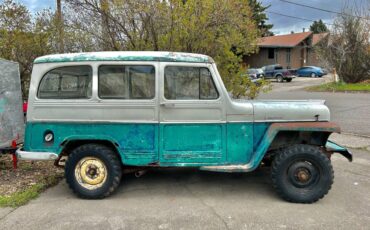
[126, 82]
[189, 83]
[69, 82]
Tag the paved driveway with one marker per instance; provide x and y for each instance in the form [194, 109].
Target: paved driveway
[191, 199]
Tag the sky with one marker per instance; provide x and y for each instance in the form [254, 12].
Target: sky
[282, 24]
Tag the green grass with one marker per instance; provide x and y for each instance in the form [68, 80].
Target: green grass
[29, 193]
[340, 87]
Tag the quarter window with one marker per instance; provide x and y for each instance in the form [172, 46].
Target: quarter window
[69, 82]
[189, 83]
[126, 82]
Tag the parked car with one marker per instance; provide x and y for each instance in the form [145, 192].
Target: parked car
[115, 112]
[277, 72]
[310, 71]
[255, 75]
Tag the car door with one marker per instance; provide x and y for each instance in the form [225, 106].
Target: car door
[192, 118]
[269, 72]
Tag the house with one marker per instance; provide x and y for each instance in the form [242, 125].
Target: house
[291, 50]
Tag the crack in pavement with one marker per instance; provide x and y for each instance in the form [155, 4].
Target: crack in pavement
[2, 218]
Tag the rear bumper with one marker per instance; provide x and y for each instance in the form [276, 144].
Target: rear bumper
[26, 155]
[335, 148]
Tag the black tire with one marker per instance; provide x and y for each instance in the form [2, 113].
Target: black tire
[313, 75]
[289, 79]
[279, 78]
[302, 174]
[111, 162]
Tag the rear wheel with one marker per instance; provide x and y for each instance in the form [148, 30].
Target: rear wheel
[289, 79]
[279, 78]
[93, 171]
[302, 174]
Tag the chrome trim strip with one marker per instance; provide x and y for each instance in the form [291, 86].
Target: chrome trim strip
[25, 155]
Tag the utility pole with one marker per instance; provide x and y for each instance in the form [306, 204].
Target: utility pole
[60, 27]
[104, 22]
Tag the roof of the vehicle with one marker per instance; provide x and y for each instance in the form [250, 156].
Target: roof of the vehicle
[126, 56]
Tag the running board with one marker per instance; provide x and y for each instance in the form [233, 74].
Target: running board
[228, 168]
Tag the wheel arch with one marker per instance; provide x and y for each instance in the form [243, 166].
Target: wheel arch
[69, 144]
[280, 135]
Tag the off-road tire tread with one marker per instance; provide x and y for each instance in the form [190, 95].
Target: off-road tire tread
[113, 160]
[299, 148]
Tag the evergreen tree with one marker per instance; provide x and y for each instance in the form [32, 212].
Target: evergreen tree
[318, 27]
[260, 17]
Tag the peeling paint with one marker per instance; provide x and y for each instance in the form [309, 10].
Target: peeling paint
[126, 56]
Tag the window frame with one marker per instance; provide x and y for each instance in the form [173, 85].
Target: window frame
[37, 95]
[130, 85]
[192, 99]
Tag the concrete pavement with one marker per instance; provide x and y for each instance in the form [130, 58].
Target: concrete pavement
[191, 199]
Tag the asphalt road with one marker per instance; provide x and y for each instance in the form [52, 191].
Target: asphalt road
[192, 199]
[350, 110]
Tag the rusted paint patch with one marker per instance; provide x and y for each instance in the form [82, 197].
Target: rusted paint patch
[306, 126]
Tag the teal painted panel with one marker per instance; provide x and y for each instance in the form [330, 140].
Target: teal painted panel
[259, 130]
[192, 143]
[239, 143]
[137, 143]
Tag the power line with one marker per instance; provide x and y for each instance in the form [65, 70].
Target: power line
[325, 10]
[289, 16]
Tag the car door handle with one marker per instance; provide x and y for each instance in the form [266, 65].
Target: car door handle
[168, 105]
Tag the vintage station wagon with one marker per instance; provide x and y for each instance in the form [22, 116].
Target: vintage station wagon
[106, 112]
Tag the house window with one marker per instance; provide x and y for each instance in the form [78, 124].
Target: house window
[271, 53]
[288, 56]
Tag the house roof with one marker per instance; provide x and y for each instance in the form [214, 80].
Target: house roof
[126, 56]
[316, 38]
[287, 40]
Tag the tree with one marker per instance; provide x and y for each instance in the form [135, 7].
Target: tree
[260, 17]
[224, 30]
[318, 27]
[347, 49]
[22, 38]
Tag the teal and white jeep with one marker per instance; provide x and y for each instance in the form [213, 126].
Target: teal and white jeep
[108, 112]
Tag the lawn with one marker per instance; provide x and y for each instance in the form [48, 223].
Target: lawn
[341, 87]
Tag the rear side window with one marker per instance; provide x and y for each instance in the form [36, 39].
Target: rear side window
[189, 83]
[126, 82]
[69, 82]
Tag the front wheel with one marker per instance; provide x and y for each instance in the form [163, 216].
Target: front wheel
[302, 174]
[289, 79]
[93, 171]
[313, 75]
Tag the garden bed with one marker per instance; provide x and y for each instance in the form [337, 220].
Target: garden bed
[19, 186]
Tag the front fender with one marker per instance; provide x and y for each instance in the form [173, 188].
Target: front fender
[332, 147]
[328, 127]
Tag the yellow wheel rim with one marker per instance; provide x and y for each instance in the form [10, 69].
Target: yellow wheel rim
[91, 173]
